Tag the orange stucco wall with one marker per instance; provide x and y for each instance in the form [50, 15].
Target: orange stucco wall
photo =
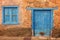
[24, 14]
[57, 14]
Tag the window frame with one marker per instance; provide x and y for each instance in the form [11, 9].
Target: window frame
[4, 16]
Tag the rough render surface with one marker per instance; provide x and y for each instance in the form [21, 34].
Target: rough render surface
[25, 15]
[57, 14]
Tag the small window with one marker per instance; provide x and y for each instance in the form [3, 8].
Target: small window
[10, 15]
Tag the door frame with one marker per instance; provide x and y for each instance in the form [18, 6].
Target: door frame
[33, 25]
[32, 11]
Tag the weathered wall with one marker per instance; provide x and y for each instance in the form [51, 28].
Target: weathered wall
[24, 14]
[57, 14]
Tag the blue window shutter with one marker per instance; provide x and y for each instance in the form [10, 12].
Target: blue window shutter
[10, 15]
[7, 15]
[14, 15]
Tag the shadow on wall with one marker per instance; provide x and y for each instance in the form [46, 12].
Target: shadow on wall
[56, 32]
[18, 32]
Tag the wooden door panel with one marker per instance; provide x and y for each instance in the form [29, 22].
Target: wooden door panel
[42, 22]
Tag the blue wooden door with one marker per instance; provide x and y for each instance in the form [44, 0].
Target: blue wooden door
[42, 22]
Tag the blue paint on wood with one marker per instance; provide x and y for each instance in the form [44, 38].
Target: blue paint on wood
[10, 15]
[29, 8]
[42, 21]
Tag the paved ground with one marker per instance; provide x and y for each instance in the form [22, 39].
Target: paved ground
[25, 38]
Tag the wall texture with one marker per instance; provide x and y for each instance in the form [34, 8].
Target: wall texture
[25, 15]
[57, 14]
